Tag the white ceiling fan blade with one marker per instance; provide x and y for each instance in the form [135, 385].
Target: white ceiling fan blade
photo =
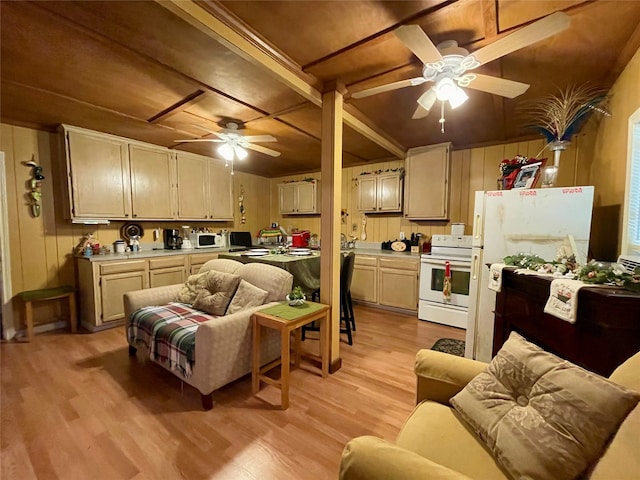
[543, 28]
[199, 140]
[265, 150]
[410, 82]
[498, 86]
[259, 138]
[418, 42]
[425, 102]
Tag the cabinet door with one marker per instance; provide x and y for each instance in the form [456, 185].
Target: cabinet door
[197, 261]
[427, 183]
[151, 183]
[306, 197]
[399, 288]
[287, 194]
[113, 287]
[364, 284]
[389, 192]
[99, 172]
[220, 191]
[367, 193]
[166, 276]
[192, 187]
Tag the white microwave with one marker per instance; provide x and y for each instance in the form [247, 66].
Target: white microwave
[207, 240]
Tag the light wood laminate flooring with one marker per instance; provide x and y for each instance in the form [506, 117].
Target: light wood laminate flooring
[78, 407]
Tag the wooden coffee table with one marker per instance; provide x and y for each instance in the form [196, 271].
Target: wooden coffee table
[287, 319]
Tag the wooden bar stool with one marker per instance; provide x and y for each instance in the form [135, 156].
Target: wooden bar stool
[44, 294]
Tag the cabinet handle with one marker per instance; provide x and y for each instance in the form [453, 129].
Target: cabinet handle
[126, 214]
[134, 215]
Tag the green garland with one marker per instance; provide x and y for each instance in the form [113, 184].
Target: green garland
[593, 272]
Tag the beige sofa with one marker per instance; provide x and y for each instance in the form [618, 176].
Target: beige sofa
[434, 444]
[223, 344]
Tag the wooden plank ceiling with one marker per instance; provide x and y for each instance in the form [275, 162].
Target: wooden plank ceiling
[150, 71]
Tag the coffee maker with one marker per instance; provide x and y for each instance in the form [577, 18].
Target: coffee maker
[172, 239]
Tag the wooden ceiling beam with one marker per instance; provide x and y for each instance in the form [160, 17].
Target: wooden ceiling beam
[247, 48]
[177, 107]
[490, 17]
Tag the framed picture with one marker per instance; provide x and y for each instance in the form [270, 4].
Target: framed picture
[528, 175]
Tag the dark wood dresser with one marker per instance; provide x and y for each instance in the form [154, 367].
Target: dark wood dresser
[606, 332]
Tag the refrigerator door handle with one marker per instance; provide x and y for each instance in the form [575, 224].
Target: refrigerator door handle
[477, 228]
[475, 266]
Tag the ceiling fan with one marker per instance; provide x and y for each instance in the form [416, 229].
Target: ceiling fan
[234, 144]
[446, 64]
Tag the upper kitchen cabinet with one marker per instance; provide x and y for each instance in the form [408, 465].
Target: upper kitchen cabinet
[426, 193]
[97, 169]
[152, 181]
[299, 198]
[204, 188]
[380, 193]
[220, 191]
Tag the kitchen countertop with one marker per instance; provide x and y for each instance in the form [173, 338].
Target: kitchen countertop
[196, 251]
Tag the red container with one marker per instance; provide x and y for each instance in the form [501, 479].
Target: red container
[300, 239]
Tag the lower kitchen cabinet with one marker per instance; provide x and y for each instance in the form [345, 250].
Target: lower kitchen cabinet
[398, 281]
[101, 287]
[102, 283]
[386, 281]
[364, 283]
[167, 271]
[197, 260]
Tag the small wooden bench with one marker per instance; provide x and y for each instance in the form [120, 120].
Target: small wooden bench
[31, 296]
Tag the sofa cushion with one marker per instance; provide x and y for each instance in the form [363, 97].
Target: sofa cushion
[191, 288]
[541, 416]
[246, 296]
[219, 288]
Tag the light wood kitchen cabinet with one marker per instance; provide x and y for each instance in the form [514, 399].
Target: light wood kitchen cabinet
[197, 260]
[101, 287]
[380, 193]
[152, 183]
[398, 283]
[298, 198]
[220, 191]
[364, 283]
[427, 185]
[97, 169]
[386, 281]
[167, 270]
[204, 188]
[192, 186]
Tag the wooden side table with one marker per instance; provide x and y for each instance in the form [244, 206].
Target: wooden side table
[287, 319]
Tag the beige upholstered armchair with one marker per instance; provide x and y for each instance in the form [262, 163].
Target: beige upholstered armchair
[434, 443]
[223, 343]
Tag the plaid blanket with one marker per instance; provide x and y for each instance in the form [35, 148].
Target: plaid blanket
[168, 332]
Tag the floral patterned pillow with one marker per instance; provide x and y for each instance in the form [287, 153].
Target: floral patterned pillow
[542, 417]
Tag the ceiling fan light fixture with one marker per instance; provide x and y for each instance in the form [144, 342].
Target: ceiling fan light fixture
[226, 151]
[240, 152]
[458, 97]
[445, 89]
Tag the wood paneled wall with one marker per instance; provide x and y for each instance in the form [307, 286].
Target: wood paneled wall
[471, 170]
[41, 248]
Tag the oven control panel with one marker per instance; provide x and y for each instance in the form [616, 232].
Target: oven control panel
[459, 241]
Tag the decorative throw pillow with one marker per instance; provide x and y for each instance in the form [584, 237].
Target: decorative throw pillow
[246, 296]
[219, 288]
[193, 285]
[542, 417]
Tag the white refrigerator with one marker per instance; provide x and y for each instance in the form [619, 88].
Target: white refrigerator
[508, 222]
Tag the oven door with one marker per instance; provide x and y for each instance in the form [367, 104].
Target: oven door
[432, 279]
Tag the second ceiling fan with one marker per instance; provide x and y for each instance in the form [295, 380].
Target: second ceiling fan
[446, 64]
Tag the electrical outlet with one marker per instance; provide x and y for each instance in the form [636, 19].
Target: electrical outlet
[354, 227]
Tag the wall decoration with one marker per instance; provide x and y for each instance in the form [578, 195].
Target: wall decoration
[35, 184]
[243, 217]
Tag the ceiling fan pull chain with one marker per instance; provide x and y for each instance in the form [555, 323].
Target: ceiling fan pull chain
[442, 120]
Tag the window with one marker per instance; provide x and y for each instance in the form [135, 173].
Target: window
[631, 226]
